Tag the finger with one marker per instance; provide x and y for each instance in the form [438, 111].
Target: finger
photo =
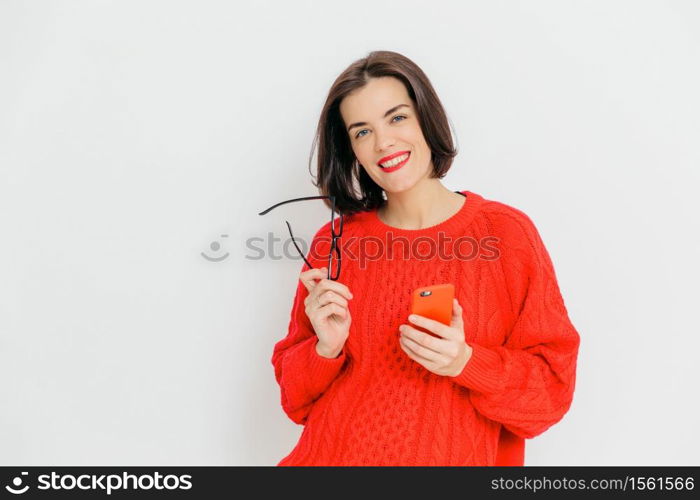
[440, 346]
[426, 363]
[330, 296]
[431, 325]
[339, 288]
[457, 318]
[419, 350]
[329, 310]
[308, 278]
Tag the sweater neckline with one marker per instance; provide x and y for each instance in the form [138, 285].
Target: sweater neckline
[463, 216]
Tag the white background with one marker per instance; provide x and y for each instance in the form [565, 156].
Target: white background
[133, 134]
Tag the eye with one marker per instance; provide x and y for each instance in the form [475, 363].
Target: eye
[357, 136]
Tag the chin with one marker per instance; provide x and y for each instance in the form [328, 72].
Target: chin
[399, 187]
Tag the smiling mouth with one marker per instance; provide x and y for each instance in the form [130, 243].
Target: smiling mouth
[395, 163]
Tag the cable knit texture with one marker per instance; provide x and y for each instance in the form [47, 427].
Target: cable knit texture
[373, 405]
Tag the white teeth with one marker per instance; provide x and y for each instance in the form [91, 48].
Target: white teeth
[393, 162]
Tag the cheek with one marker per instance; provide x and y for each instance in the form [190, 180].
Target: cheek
[418, 141]
[362, 152]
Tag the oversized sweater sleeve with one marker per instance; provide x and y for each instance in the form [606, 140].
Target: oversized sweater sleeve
[302, 374]
[526, 384]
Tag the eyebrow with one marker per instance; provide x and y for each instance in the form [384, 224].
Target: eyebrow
[359, 124]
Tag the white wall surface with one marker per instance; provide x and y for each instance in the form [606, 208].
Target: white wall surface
[134, 134]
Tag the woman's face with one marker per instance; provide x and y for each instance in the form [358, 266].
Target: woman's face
[374, 134]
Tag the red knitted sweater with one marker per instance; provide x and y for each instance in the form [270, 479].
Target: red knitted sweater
[373, 405]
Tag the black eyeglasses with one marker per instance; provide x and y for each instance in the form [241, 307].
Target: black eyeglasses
[335, 247]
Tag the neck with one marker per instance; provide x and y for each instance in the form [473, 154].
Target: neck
[426, 204]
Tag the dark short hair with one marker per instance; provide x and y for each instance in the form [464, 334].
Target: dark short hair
[338, 172]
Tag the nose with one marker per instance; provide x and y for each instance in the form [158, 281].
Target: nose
[383, 142]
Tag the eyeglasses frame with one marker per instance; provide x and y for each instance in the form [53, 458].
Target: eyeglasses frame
[335, 246]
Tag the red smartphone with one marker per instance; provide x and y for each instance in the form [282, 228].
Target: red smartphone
[434, 302]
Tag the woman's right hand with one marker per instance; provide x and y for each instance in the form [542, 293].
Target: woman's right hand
[327, 309]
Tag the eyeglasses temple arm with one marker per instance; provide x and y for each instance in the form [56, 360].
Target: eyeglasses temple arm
[297, 246]
[291, 201]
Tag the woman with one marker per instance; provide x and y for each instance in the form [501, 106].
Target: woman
[368, 386]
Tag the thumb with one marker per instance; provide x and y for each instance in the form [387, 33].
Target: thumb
[457, 320]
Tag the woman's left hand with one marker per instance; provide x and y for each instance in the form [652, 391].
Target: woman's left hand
[447, 355]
